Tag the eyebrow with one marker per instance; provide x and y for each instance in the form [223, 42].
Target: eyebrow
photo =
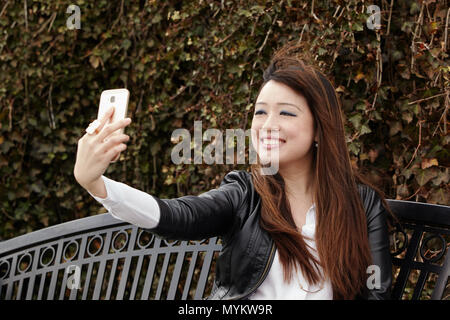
[280, 104]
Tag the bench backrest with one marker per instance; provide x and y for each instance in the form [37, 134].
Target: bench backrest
[421, 251]
[112, 259]
[100, 257]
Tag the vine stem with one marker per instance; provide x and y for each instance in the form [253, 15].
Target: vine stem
[413, 47]
[444, 114]
[446, 30]
[6, 214]
[390, 15]
[418, 146]
[4, 9]
[312, 11]
[415, 193]
[420, 100]
[25, 10]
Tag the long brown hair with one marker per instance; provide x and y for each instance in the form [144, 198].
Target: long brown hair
[341, 227]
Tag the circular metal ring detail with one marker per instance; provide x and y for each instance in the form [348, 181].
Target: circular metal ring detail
[20, 262]
[124, 244]
[441, 253]
[65, 249]
[171, 243]
[43, 254]
[7, 270]
[138, 241]
[89, 246]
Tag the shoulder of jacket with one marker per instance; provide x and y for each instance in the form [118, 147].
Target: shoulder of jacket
[240, 176]
[371, 200]
[363, 189]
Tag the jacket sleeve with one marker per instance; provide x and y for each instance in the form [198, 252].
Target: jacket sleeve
[378, 288]
[206, 215]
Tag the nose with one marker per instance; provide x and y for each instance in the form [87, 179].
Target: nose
[271, 123]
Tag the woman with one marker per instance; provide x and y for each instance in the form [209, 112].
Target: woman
[311, 230]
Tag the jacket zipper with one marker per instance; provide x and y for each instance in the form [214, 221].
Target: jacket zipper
[263, 276]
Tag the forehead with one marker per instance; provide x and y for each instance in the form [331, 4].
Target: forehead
[274, 92]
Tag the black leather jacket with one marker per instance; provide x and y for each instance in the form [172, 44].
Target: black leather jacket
[232, 212]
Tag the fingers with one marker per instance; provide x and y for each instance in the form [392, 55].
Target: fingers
[107, 116]
[116, 158]
[112, 128]
[113, 152]
[109, 145]
[113, 142]
[102, 122]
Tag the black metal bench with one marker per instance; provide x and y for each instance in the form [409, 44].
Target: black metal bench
[100, 257]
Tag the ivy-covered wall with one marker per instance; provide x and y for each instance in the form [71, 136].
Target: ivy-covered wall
[203, 60]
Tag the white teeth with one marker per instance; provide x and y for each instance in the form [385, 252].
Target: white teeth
[271, 141]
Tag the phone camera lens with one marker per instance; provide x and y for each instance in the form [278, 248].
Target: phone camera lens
[112, 99]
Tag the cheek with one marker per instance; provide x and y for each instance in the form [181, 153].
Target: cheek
[300, 134]
[256, 123]
[254, 135]
[307, 126]
[254, 129]
[310, 130]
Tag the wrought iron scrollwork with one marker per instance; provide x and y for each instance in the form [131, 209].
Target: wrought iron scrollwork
[117, 239]
[424, 249]
[67, 248]
[399, 241]
[43, 256]
[91, 243]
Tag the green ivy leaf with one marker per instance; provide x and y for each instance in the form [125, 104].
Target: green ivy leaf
[365, 129]
[356, 120]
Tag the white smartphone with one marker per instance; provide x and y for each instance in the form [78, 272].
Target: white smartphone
[117, 98]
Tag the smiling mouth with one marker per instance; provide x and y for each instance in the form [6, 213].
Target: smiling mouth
[270, 143]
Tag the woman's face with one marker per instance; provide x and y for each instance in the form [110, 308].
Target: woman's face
[282, 126]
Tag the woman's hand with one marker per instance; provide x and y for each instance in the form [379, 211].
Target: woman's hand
[94, 154]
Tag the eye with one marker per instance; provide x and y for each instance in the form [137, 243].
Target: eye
[287, 114]
[282, 113]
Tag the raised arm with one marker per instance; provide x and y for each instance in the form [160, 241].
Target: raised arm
[210, 214]
[186, 218]
[128, 204]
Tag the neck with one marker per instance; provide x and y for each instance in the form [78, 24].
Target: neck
[299, 180]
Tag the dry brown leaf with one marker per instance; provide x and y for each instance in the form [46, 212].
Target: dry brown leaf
[426, 163]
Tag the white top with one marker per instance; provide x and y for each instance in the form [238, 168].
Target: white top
[274, 286]
[129, 204]
[139, 208]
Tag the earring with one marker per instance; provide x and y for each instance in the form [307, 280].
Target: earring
[316, 144]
